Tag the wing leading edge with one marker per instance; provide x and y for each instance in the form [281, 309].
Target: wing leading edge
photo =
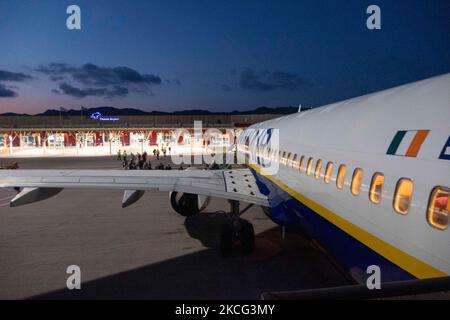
[239, 184]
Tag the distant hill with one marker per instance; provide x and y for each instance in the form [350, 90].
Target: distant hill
[136, 112]
[268, 110]
[12, 114]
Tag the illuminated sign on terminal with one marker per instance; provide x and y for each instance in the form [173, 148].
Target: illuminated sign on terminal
[98, 116]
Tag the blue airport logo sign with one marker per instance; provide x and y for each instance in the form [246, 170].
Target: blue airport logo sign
[98, 116]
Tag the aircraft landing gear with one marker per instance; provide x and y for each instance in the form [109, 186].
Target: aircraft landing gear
[235, 230]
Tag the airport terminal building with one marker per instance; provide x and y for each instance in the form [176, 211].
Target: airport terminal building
[105, 135]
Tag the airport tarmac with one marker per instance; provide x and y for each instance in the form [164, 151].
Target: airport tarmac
[142, 252]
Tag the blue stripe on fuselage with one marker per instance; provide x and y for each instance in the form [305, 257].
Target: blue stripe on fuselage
[353, 255]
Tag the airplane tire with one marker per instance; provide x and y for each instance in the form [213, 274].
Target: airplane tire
[247, 237]
[226, 239]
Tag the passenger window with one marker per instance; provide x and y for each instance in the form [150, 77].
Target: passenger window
[283, 158]
[294, 160]
[403, 195]
[318, 169]
[356, 181]
[288, 159]
[439, 208]
[341, 176]
[302, 163]
[328, 172]
[309, 166]
[376, 187]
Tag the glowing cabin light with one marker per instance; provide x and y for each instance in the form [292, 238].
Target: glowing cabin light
[356, 181]
[328, 172]
[318, 169]
[439, 208]
[341, 176]
[309, 167]
[403, 195]
[376, 188]
[294, 162]
[302, 164]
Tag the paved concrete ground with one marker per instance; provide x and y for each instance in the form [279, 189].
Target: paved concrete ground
[145, 251]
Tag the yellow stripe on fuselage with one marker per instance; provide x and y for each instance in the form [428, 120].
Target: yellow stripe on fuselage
[414, 266]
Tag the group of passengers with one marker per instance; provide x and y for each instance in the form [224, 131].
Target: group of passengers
[142, 162]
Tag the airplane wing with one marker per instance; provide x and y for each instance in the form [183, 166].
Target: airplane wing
[235, 184]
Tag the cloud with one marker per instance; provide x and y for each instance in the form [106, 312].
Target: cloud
[13, 76]
[6, 92]
[99, 81]
[269, 81]
[116, 91]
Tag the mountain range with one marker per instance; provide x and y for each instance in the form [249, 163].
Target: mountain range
[112, 111]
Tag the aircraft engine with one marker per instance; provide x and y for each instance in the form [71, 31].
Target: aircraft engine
[188, 204]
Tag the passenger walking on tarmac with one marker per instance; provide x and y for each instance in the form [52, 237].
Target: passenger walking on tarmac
[154, 152]
[164, 152]
[157, 154]
[144, 156]
[160, 166]
[132, 160]
[119, 155]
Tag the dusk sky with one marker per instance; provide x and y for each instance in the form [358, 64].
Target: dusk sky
[215, 55]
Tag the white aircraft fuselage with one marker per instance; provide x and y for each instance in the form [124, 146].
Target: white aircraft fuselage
[400, 133]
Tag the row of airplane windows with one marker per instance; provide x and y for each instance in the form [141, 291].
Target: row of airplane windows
[438, 210]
